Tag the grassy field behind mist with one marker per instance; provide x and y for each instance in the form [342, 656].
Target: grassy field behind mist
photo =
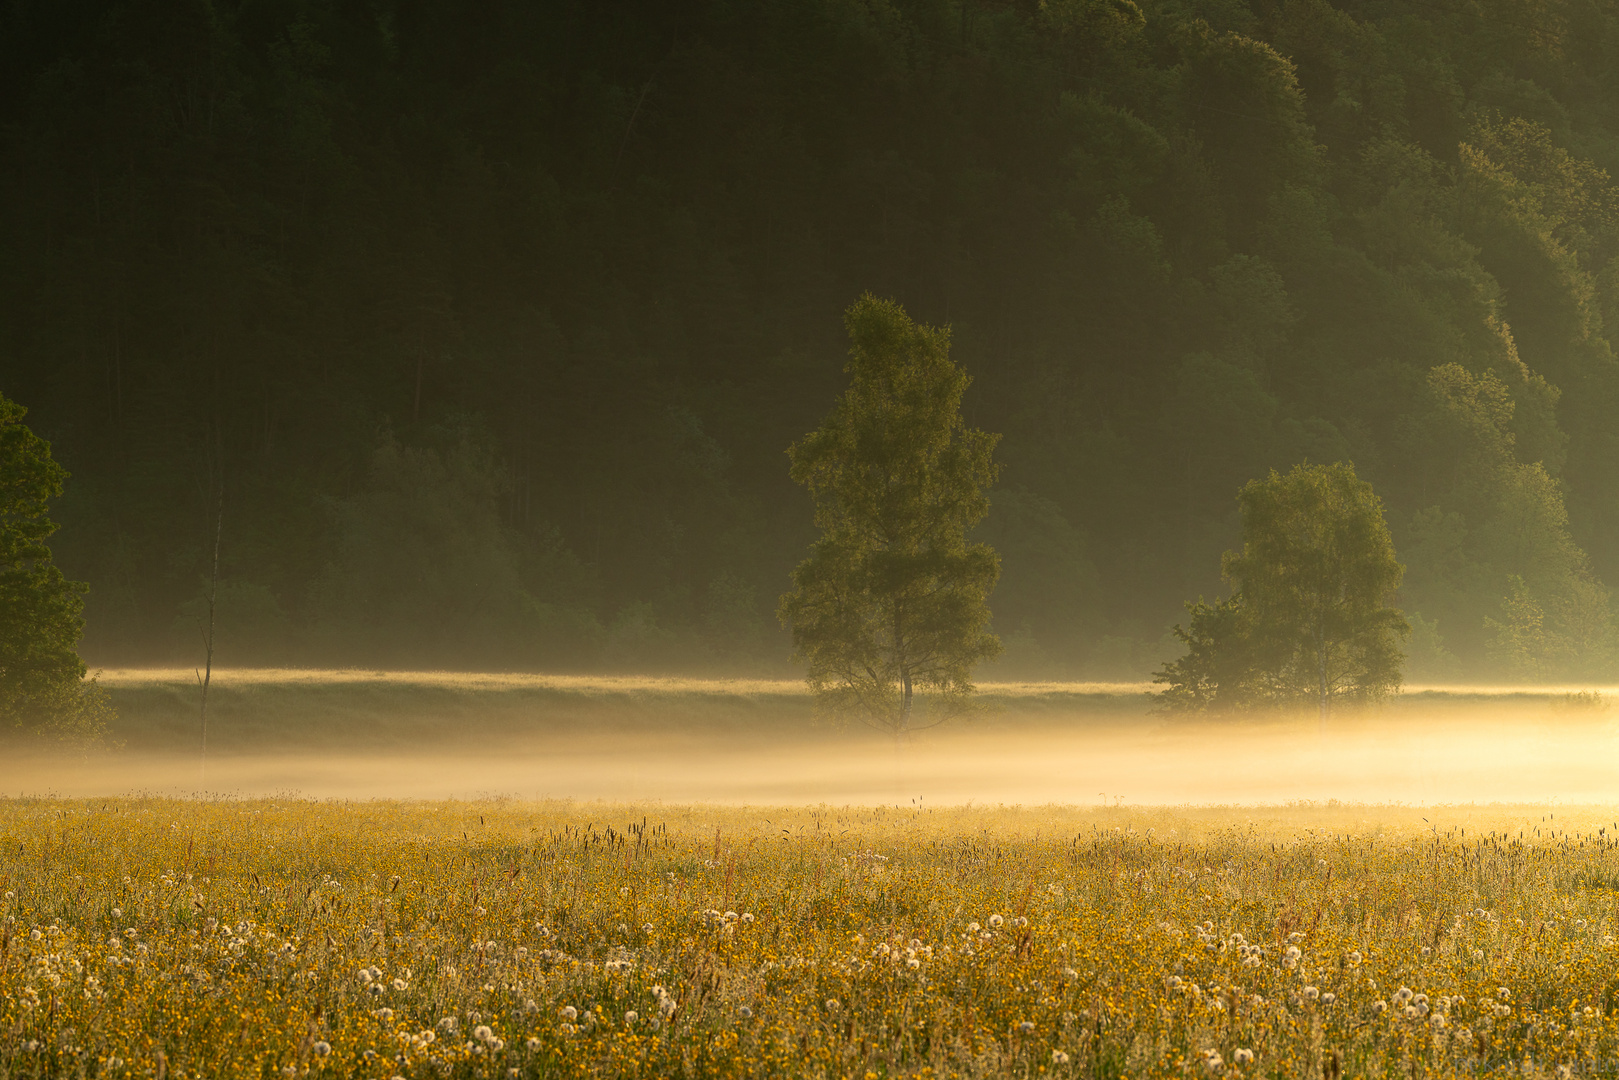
[279, 710]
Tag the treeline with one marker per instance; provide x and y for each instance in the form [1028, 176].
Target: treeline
[494, 321]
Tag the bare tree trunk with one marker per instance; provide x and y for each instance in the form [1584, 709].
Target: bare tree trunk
[207, 676]
[1321, 669]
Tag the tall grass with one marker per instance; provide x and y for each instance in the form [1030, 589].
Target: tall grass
[269, 938]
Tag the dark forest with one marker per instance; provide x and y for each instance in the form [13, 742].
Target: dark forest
[493, 322]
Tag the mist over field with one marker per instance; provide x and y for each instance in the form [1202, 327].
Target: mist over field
[390, 735]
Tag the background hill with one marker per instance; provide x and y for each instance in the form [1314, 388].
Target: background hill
[497, 318]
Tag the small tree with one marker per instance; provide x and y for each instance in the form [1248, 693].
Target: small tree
[892, 599]
[1310, 617]
[42, 684]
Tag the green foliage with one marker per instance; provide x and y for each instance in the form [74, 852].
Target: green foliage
[1494, 561]
[891, 601]
[1218, 669]
[426, 570]
[1048, 582]
[42, 683]
[1180, 242]
[1310, 618]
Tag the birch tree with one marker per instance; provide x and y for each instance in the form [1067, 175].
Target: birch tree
[890, 609]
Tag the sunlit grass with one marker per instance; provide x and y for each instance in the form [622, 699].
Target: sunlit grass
[146, 937]
[612, 684]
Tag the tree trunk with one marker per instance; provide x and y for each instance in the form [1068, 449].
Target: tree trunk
[1321, 670]
[208, 640]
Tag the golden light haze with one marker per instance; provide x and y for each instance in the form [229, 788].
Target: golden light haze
[432, 735]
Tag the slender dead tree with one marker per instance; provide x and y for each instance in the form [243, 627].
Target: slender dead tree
[206, 676]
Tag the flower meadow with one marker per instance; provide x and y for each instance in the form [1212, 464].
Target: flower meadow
[192, 939]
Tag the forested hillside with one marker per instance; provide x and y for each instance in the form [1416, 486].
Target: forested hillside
[495, 320]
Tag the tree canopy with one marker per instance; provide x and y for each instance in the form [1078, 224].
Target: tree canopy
[42, 685]
[890, 603]
[602, 245]
[1310, 617]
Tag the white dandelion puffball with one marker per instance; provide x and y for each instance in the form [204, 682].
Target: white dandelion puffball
[1242, 1056]
[832, 1003]
[995, 922]
[569, 1013]
[1059, 1058]
[631, 1016]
